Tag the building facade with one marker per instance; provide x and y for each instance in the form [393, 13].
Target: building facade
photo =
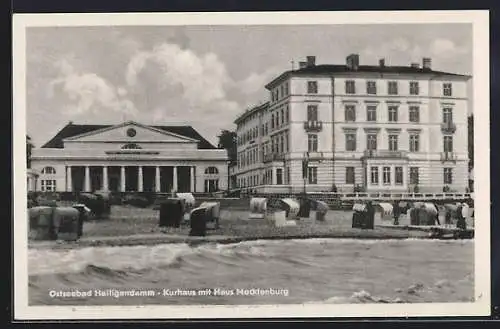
[129, 157]
[356, 127]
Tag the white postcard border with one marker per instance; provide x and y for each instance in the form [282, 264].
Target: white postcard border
[480, 21]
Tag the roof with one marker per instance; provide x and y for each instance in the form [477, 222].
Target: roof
[71, 130]
[332, 69]
[250, 111]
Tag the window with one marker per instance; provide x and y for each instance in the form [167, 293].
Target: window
[266, 128]
[312, 143]
[287, 141]
[414, 175]
[371, 141]
[349, 175]
[286, 89]
[282, 87]
[350, 113]
[131, 146]
[374, 175]
[447, 115]
[371, 87]
[399, 175]
[282, 116]
[392, 87]
[312, 87]
[447, 143]
[387, 175]
[212, 185]
[414, 113]
[448, 176]
[287, 114]
[350, 142]
[414, 143]
[371, 113]
[277, 119]
[350, 87]
[393, 142]
[279, 176]
[282, 143]
[447, 91]
[211, 170]
[48, 185]
[393, 113]
[312, 112]
[414, 90]
[49, 170]
[272, 121]
[312, 174]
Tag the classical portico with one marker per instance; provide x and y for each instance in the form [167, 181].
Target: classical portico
[130, 157]
[127, 178]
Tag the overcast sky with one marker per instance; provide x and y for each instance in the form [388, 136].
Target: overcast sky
[202, 76]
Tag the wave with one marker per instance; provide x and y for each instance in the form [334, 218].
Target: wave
[140, 258]
[416, 292]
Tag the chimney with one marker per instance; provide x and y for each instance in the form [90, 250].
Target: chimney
[426, 63]
[302, 65]
[415, 65]
[311, 61]
[381, 62]
[352, 61]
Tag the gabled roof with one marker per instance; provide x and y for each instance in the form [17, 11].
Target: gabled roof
[344, 69]
[71, 130]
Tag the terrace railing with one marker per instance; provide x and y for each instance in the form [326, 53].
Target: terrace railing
[365, 196]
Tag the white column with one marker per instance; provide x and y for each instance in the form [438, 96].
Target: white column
[174, 179]
[191, 177]
[105, 178]
[69, 179]
[140, 180]
[122, 179]
[157, 179]
[87, 179]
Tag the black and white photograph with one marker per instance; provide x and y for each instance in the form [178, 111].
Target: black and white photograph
[233, 165]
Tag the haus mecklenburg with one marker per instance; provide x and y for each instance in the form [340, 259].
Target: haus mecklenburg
[128, 157]
[382, 128]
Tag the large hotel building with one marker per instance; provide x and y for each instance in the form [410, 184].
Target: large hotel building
[356, 127]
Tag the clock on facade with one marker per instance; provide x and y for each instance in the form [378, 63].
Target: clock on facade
[131, 132]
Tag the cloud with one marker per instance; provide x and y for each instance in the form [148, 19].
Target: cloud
[397, 51]
[166, 83]
[86, 92]
[255, 82]
[446, 48]
[401, 51]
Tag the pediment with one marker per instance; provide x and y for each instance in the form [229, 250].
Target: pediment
[130, 133]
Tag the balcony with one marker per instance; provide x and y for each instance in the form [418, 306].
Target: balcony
[448, 127]
[385, 154]
[448, 156]
[273, 157]
[313, 126]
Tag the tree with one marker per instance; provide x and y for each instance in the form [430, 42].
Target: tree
[29, 148]
[227, 140]
[470, 140]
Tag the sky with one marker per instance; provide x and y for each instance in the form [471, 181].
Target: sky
[203, 76]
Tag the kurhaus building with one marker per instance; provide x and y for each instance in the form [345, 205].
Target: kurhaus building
[128, 157]
[379, 128]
